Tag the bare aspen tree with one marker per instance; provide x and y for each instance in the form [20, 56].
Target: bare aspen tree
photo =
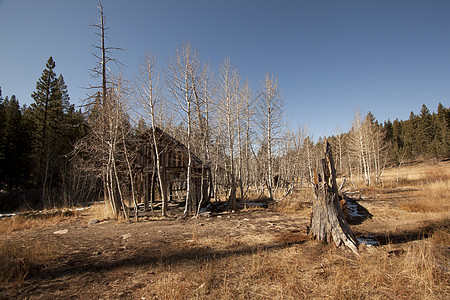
[286, 164]
[239, 129]
[219, 161]
[357, 140]
[339, 138]
[305, 155]
[309, 145]
[180, 80]
[366, 141]
[116, 118]
[296, 153]
[126, 154]
[148, 93]
[246, 95]
[271, 111]
[228, 87]
[127, 158]
[376, 140]
[204, 95]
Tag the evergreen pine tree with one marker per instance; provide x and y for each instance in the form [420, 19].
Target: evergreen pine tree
[50, 117]
[409, 134]
[389, 131]
[442, 126]
[2, 125]
[14, 146]
[425, 132]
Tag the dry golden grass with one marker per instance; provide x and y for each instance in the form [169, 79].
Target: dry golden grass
[433, 183]
[413, 269]
[291, 206]
[289, 266]
[35, 221]
[296, 201]
[441, 236]
[417, 174]
[102, 211]
[309, 271]
[438, 189]
[19, 261]
[432, 196]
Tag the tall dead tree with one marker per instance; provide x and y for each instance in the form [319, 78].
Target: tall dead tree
[106, 116]
[103, 56]
[327, 219]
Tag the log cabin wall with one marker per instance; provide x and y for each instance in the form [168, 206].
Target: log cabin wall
[174, 162]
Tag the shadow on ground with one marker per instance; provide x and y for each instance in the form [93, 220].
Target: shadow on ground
[80, 263]
[405, 236]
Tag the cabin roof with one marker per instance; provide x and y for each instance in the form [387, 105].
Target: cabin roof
[166, 140]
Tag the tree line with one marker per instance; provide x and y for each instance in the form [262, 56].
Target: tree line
[52, 154]
[34, 144]
[369, 147]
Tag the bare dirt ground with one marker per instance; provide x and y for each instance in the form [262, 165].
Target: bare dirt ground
[111, 259]
[247, 254]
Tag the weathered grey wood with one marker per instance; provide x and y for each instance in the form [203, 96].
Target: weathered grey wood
[145, 190]
[327, 219]
[173, 169]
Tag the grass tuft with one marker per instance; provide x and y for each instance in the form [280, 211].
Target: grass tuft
[35, 220]
[17, 262]
[433, 196]
[291, 206]
[102, 211]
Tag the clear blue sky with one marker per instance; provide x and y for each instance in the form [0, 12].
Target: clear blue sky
[388, 57]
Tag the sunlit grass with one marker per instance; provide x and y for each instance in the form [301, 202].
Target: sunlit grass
[35, 220]
[308, 272]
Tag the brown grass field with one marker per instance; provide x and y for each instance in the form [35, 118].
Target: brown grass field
[248, 254]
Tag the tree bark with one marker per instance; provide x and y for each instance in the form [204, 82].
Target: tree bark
[327, 219]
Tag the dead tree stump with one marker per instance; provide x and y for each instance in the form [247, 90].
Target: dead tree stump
[327, 219]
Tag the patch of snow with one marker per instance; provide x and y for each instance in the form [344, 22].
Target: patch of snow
[7, 215]
[353, 210]
[81, 208]
[368, 241]
[75, 209]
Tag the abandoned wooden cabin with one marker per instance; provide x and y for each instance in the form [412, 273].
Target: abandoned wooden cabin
[174, 164]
